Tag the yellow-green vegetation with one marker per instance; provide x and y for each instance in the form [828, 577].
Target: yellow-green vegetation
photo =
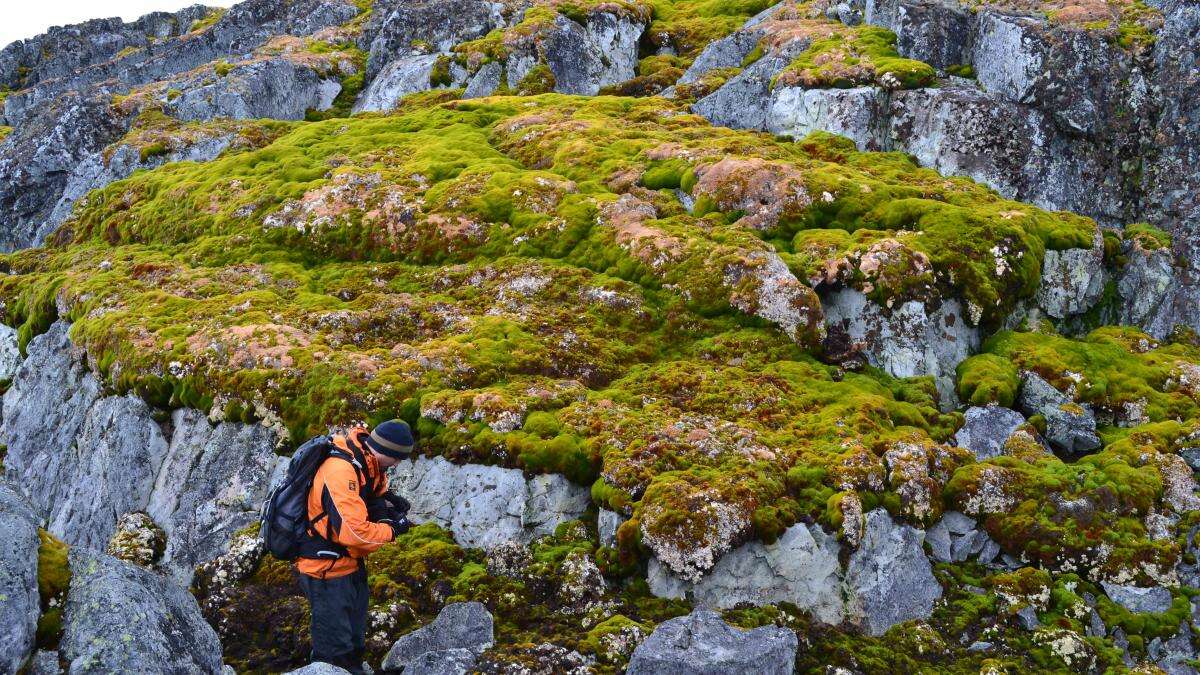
[214, 15]
[1146, 397]
[4, 131]
[466, 263]
[851, 57]
[54, 578]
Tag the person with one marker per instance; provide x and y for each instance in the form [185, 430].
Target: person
[351, 514]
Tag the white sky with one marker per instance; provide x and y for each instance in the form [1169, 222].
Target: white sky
[26, 18]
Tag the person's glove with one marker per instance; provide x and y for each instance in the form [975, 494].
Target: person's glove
[380, 510]
[400, 504]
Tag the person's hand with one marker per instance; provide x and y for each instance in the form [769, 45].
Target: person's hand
[400, 504]
[399, 526]
[379, 510]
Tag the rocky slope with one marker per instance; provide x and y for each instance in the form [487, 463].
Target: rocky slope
[738, 338]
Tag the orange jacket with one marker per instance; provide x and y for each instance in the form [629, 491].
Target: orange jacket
[340, 513]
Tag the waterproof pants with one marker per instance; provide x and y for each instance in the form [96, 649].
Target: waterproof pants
[339, 617]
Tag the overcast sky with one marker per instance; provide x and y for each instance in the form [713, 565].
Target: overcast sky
[26, 18]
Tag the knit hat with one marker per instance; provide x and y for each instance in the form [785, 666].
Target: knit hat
[392, 438]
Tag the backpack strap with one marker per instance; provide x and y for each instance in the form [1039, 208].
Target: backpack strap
[322, 545]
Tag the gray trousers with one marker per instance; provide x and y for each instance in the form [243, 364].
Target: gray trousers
[339, 617]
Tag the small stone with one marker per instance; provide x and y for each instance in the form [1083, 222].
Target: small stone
[980, 646]
[1027, 617]
[985, 430]
[1155, 599]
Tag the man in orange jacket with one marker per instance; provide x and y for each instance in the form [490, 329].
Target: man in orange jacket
[349, 518]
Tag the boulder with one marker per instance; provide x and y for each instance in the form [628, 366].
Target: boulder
[911, 339]
[1145, 284]
[607, 523]
[123, 618]
[485, 81]
[404, 76]
[701, 643]
[1155, 599]
[1070, 427]
[21, 603]
[889, 579]
[408, 28]
[986, 429]
[1072, 280]
[211, 483]
[857, 114]
[955, 538]
[801, 567]
[728, 52]
[450, 644]
[486, 505]
[742, 102]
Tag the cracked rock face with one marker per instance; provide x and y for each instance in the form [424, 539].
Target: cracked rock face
[909, 340]
[1155, 599]
[1070, 427]
[484, 506]
[90, 458]
[111, 601]
[1072, 280]
[703, 644]
[801, 567]
[889, 579]
[21, 605]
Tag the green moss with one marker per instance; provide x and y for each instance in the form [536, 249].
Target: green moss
[988, 378]
[1147, 236]
[54, 578]
[214, 15]
[4, 131]
[156, 149]
[854, 56]
[961, 70]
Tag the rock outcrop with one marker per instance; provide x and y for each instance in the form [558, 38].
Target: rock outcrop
[89, 459]
[451, 644]
[889, 579]
[484, 506]
[911, 339]
[123, 618]
[20, 604]
[703, 644]
[801, 568]
[1070, 426]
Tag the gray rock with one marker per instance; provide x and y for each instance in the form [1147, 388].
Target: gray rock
[1028, 619]
[889, 579]
[907, 340]
[801, 567]
[1096, 627]
[1175, 654]
[276, 88]
[743, 101]
[439, 24]
[607, 523]
[1144, 285]
[10, 354]
[211, 484]
[1070, 427]
[21, 604]
[1072, 280]
[728, 52]
[460, 627]
[485, 81]
[857, 114]
[701, 643]
[36, 160]
[319, 668]
[485, 505]
[122, 618]
[980, 646]
[1007, 56]
[404, 76]
[986, 429]
[85, 459]
[583, 58]
[44, 662]
[1154, 599]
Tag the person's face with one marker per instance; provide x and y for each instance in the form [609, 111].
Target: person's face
[385, 461]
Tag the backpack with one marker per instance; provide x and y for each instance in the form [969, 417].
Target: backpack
[284, 524]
